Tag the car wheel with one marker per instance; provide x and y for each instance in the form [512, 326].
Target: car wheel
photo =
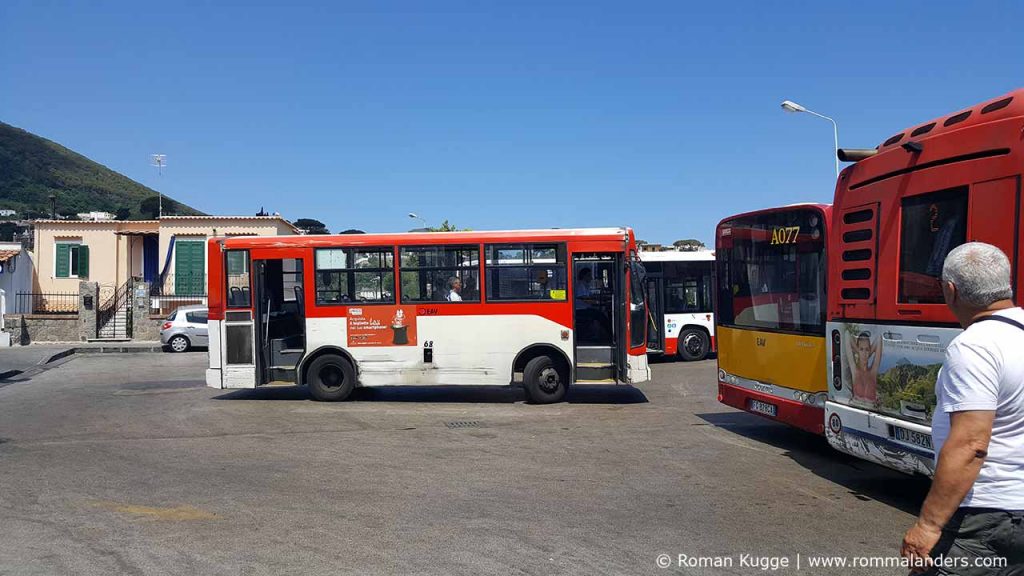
[179, 344]
[693, 345]
[544, 381]
[330, 378]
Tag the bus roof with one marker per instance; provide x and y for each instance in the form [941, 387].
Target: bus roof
[413, 238]
[678, 256]
[826, 208]
[1006, 106]
[893, 156]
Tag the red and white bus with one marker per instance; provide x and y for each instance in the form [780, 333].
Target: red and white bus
[771, 313]
[545, 308]
[898, 211]
[680, 288]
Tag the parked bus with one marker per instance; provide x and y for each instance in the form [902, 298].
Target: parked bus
[679, 295]
[899, 210]
[771, 311]
[541, 308]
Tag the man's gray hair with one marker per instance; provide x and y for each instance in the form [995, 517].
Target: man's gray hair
[980, 272]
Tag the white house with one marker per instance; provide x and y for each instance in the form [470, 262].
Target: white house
[15, 276]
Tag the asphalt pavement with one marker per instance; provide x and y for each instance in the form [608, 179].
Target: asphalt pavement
[127, 464]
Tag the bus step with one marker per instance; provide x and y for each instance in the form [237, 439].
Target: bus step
[602, 381]
[283, 373]
[278, 384]
[587, 354]
[595, 371]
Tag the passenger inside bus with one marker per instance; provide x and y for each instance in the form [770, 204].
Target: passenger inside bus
[593, 309]
[454, 290]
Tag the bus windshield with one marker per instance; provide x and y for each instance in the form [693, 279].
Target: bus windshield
[771, 272]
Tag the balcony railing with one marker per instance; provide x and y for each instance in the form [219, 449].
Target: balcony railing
[46, 303]
[175, 291]
[190, 285]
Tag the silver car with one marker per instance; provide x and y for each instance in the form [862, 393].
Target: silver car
[185, 328]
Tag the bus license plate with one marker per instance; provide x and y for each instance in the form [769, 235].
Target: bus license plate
[912, 437]
[764, 408]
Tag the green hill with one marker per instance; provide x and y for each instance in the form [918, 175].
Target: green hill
[32, 168]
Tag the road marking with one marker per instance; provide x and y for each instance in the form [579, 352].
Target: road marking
[174, 514]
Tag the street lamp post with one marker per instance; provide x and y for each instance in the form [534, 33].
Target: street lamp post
[790, 106]
[416, 217]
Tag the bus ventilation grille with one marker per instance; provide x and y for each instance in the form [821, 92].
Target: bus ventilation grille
[464, 424]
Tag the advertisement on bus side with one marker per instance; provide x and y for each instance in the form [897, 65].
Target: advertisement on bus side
[887, 369]
[382, 326]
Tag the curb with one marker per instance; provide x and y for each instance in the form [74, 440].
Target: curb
[45, 363]
[109, 350]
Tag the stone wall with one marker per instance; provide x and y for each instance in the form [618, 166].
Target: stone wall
[29, 328]
[145, 327]
[88, 306]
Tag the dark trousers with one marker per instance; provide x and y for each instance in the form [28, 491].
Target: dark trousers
[975, 535]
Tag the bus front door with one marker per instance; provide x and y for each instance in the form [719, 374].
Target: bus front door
[281, 319]
[597, 303]
[655, 315]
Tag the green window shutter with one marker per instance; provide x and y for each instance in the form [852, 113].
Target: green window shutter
[83, 261]
[63, 264]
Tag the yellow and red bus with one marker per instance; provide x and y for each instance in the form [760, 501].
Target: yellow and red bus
[543, 308]
[899, 210]
[770, 313]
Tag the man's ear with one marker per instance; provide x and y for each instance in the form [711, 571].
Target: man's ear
[949, 292]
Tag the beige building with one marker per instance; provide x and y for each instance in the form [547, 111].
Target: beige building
[169, 253]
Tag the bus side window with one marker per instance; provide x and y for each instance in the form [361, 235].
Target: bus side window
[239, 293]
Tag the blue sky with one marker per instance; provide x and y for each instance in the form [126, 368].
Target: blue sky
[663, 116]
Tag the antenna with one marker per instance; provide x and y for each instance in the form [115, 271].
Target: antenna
[159, 160]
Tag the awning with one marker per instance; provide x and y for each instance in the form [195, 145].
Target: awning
[6, 255]
[138, 232]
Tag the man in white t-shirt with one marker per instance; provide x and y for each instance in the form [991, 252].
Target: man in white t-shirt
[974, 512]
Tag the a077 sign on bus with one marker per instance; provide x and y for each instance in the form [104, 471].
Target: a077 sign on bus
[785, 235]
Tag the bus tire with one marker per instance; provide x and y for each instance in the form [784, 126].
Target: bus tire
[544, 381]
[693, 344]
[330, 378]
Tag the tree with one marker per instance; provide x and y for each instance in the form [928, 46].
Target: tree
[689, 245]
[150, 207]
[447, 227]
[311, 226]
[352, 231]
[123, 213]
[7, 231]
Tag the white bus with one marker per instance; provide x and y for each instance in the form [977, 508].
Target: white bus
[679, 296]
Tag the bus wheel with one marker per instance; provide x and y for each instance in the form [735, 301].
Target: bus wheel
[330, 378]
[693, 345]
[544, 382]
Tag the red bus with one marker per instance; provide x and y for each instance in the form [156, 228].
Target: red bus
[771, 312]
[898, 211]
[541, 308]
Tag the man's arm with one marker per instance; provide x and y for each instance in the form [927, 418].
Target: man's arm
[958, 466]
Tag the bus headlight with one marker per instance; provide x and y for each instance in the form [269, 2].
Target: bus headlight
[722, 375]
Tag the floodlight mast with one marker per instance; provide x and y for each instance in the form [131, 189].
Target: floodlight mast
[160, 160]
